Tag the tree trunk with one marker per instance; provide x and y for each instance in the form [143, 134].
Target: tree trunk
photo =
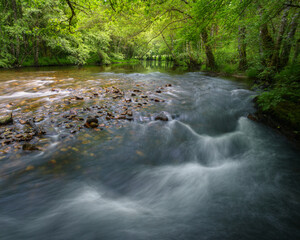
[208, 51]
[36, 53]
[267, 44]
[286, 49]
[242, 49]
[170, 49]
[275, 62]
[297, 51]
[17, 48]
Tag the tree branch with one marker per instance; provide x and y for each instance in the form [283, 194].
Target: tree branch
[72, 15]
[292, 5]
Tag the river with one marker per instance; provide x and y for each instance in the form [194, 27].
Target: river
[207, 173]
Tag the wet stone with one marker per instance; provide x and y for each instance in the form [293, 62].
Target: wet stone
[67, 125]
[19, 136]
[115, 97]
[161, 117]
[121, 117]
[29, 147]
[78, 98]
[94, 124]
[7, 141]
[39, 119]
[91, 122]
[22, 121]
[5, 120]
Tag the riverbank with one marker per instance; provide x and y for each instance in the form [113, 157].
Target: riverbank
[277, 103]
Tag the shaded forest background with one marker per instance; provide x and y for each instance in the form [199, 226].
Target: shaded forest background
[257, 38]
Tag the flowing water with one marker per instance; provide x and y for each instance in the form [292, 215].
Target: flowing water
[208, 173]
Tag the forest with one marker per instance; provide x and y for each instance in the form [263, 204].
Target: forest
[259, 39]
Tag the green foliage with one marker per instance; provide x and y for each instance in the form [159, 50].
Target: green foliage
[229, 69]
[46, 61]
[286, 89]
[6, 59]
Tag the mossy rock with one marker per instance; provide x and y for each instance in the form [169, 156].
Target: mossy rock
[5, 120]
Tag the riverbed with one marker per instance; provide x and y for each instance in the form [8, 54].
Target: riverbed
[208, 172]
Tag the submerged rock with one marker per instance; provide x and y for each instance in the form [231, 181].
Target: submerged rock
[37, 130]
[91, 122]
[29, 147]
[162, 116]
[6, 119]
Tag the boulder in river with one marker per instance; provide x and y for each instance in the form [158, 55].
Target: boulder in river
[6, 120]
[162, 116]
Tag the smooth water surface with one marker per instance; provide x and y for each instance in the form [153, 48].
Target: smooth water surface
[209, 173]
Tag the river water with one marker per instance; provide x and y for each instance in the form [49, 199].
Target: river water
[207, 173]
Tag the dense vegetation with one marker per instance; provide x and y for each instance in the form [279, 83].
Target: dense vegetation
[260, 38]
